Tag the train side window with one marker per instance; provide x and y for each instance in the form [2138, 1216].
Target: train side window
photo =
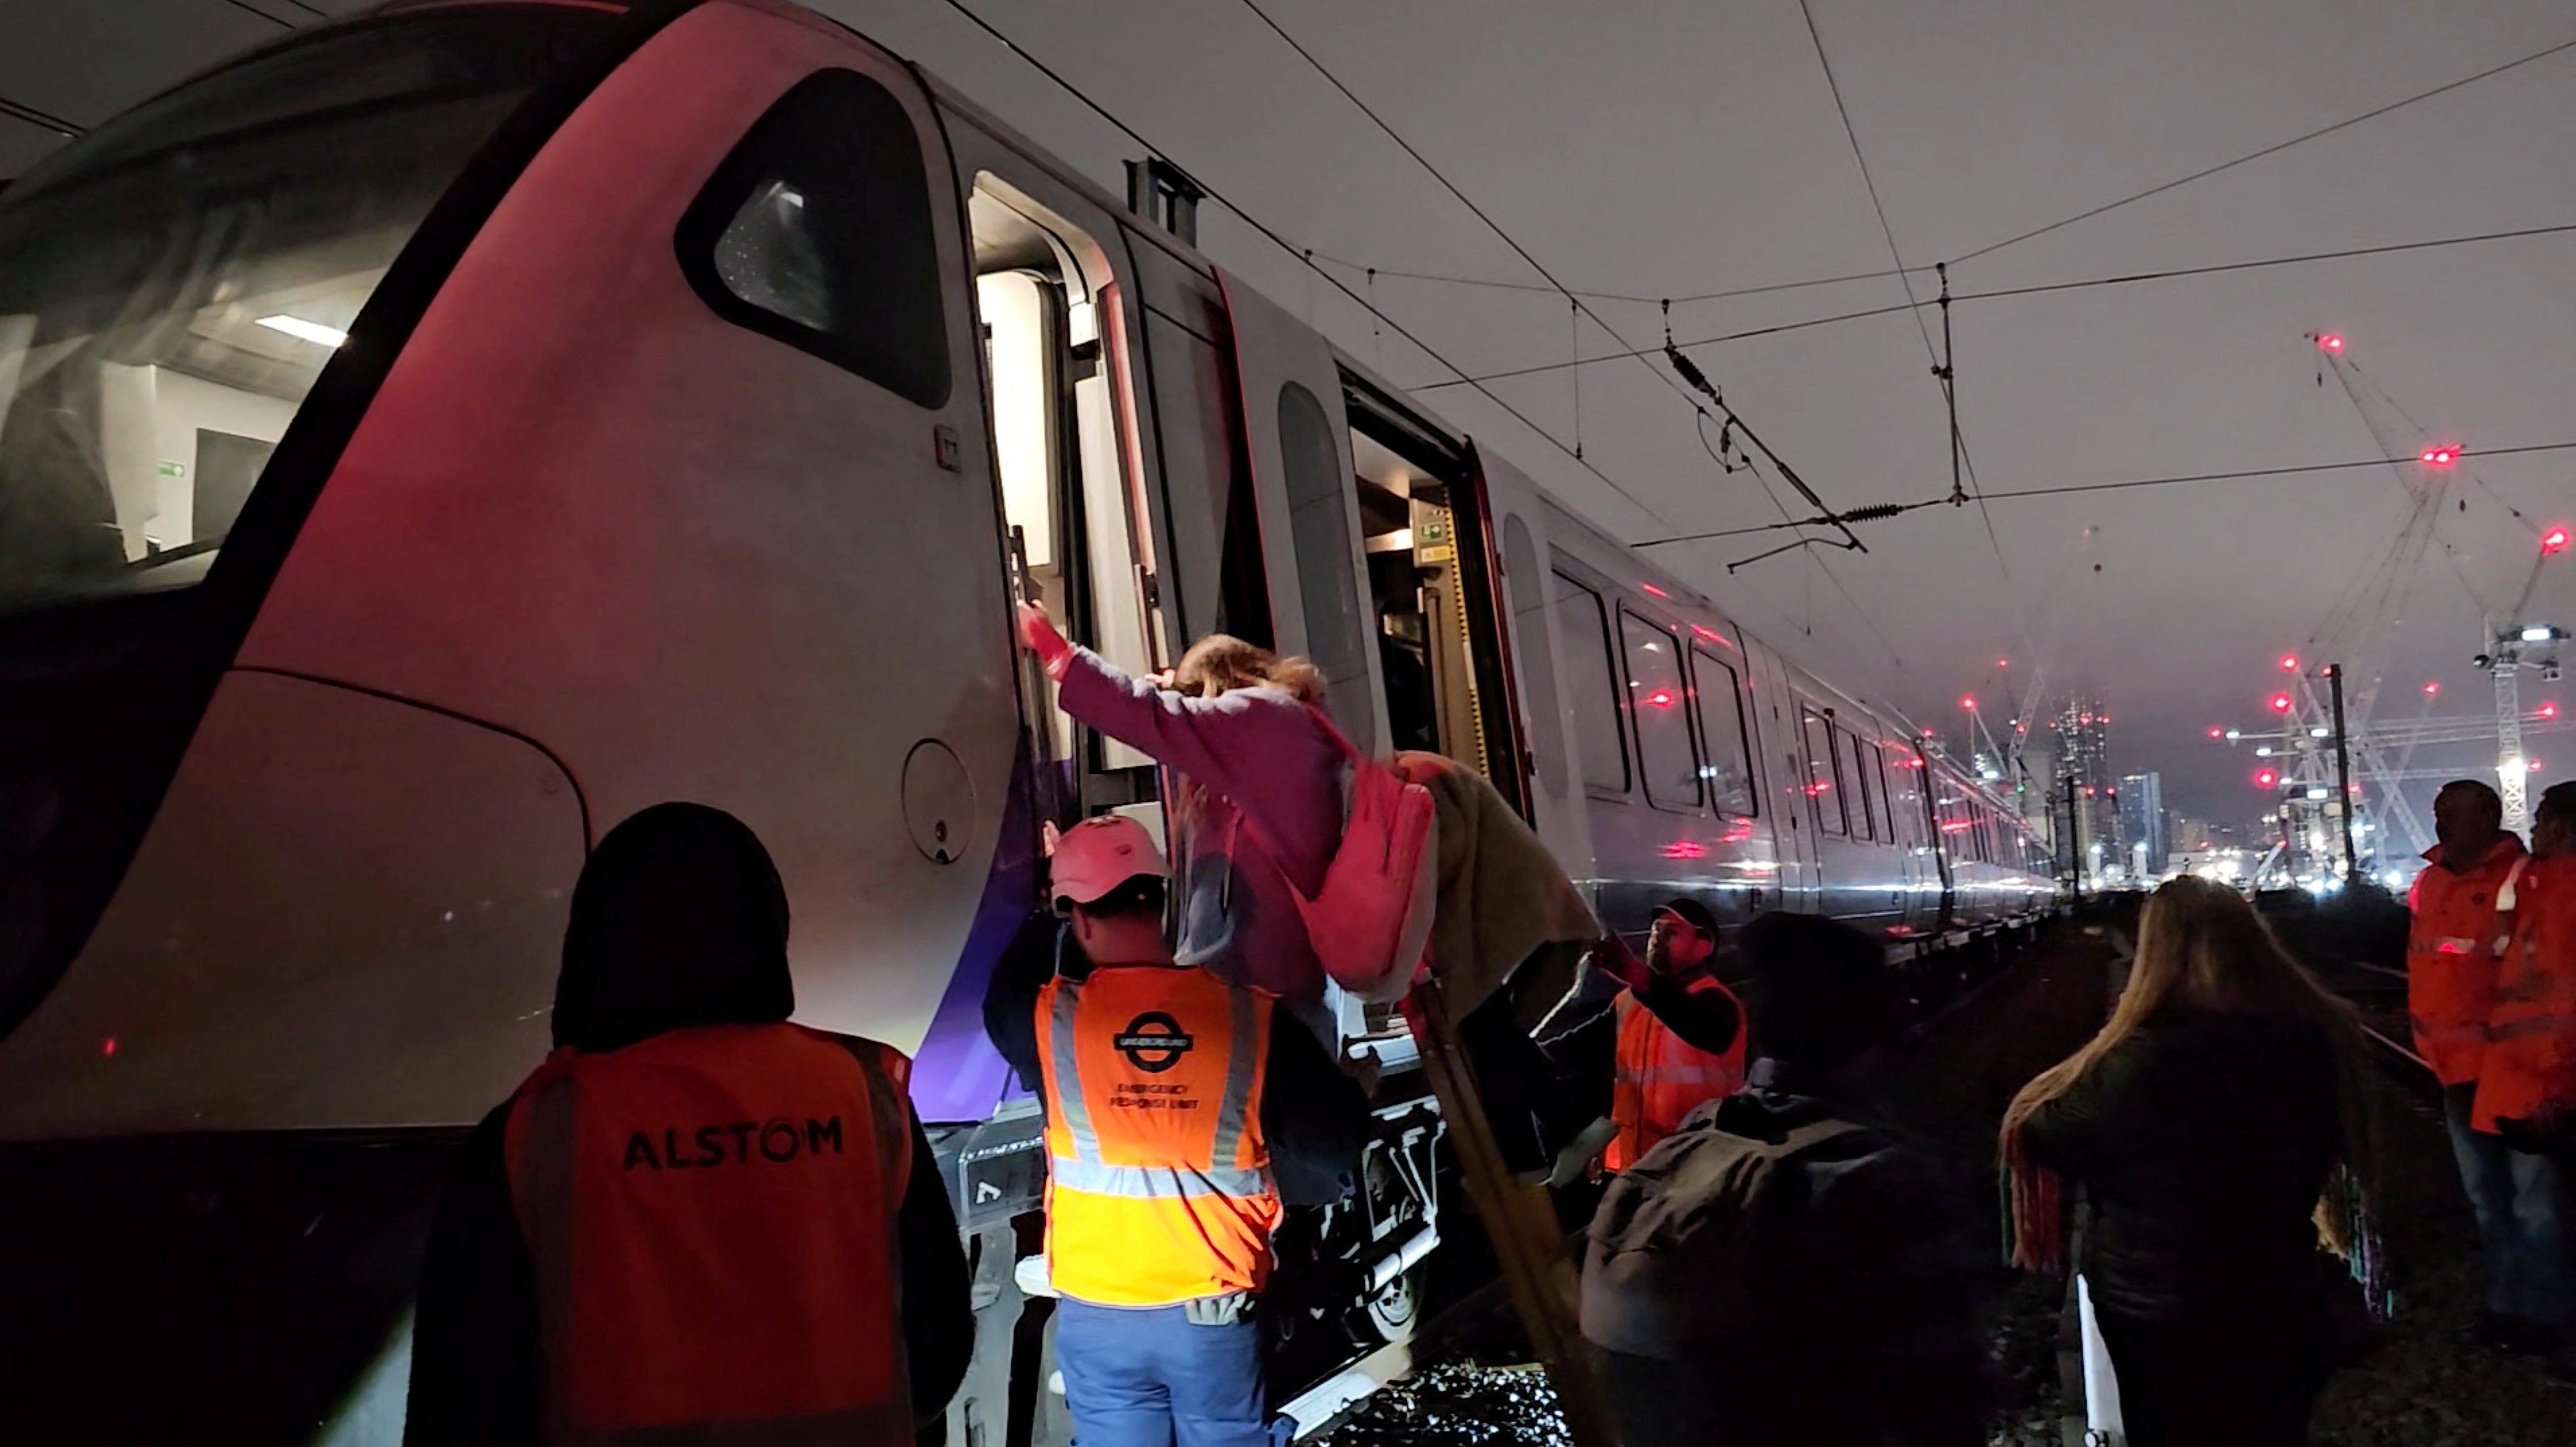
[1905, 796]
[1592, 685]
[1874, 758]
[816, 231]
[1656, 696]
[1816, 733]
[1863, 790]
[1729, 769]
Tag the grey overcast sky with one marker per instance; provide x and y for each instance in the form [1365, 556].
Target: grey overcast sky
[1655, 148]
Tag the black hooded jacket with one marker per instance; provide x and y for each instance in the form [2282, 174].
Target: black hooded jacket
[678, 920]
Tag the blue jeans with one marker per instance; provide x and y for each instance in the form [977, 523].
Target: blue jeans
[1148, 1377]
[2520, 1203]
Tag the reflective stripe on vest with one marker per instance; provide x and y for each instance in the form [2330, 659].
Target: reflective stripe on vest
[711, 1217]
[2451, 964]
[1158, 1186]
[1661, 1077]
[2530, 1049]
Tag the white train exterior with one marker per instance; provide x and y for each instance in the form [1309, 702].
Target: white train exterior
[435, 437]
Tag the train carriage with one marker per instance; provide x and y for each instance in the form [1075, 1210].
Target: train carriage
[431, 438]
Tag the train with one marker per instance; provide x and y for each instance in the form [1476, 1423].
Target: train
[434, 436]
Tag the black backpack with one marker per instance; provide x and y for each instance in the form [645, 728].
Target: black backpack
[1693, 1245]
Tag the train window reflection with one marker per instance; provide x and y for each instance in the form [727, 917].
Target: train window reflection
[172, 286]
[1721, 731]
[1864, 791]
[1658, 699]
[1591, 685]
[1823, 790]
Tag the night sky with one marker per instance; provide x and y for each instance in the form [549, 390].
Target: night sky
[1668, 149]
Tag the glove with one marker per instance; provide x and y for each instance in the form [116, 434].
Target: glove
[1039, 637]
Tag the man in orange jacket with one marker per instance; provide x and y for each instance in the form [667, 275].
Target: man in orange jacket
[2526, 1090]
[2459, 902]
[1671, 1038]
[694, 1222]
[1164, 1088]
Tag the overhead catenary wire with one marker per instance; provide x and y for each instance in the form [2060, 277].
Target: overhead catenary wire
[42, 120]
[1247, 218]
[1880, 511]
[2046, 288]
[2271, 150]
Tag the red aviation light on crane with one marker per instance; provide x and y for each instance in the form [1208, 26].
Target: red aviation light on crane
[2216, 732]
[2549, 709]
[2280, 703]
[2266, 779]
[2553, 541]
[1968, 701]
[2330, 342]
[2432, 687]
[2442, 455]
[2289, 663]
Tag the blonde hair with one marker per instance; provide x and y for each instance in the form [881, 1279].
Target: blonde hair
[2201, 946]
[1221, 663]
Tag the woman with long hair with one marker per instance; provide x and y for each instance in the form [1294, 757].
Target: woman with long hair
[1258, 807]
[2220, 1123]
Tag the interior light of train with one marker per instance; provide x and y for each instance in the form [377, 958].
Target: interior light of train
[2289, 663]
[2442, 455]
[2331, 342]
[2553, 541]
[304, 331]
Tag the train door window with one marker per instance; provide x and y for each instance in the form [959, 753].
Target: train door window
[1815, 731]
[1429, 594]
[1905, 796]
[816, 231]
[1044, 293]
[1658, 699]
[1862, 791]
[1319, 525]
[1955, 820]
[1729, 769]
[1529, 624]
[1592, 686]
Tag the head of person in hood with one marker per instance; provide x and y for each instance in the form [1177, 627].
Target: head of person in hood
[679, 919]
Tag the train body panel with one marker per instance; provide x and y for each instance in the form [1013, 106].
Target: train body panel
[693, 445]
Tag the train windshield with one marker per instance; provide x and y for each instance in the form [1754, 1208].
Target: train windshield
[172, 285]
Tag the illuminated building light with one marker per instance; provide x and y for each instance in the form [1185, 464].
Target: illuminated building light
[2538, 633]
[304, 331]
[2318, 791]
[2234, 734]
[2319, 731]
[2262, 751]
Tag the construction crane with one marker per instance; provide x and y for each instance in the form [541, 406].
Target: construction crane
[2514, 645]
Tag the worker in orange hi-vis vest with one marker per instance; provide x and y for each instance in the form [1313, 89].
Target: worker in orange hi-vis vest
[2452, 968]
[2526, 1091]
[1672, 1037]
[695, 1221]
[1164, 1089]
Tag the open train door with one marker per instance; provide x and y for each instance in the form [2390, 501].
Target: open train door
[1299, 438]
[1516, 541]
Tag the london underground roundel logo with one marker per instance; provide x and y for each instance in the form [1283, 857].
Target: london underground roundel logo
[1153, 1042]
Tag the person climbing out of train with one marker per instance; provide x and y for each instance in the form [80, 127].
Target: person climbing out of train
[1182, 1113]
[1665, 1036]
[1258, 806]
[2221, 1123]
[2526, 1089]
[694, 1218]
[1788, 1267]
[2472, 878]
